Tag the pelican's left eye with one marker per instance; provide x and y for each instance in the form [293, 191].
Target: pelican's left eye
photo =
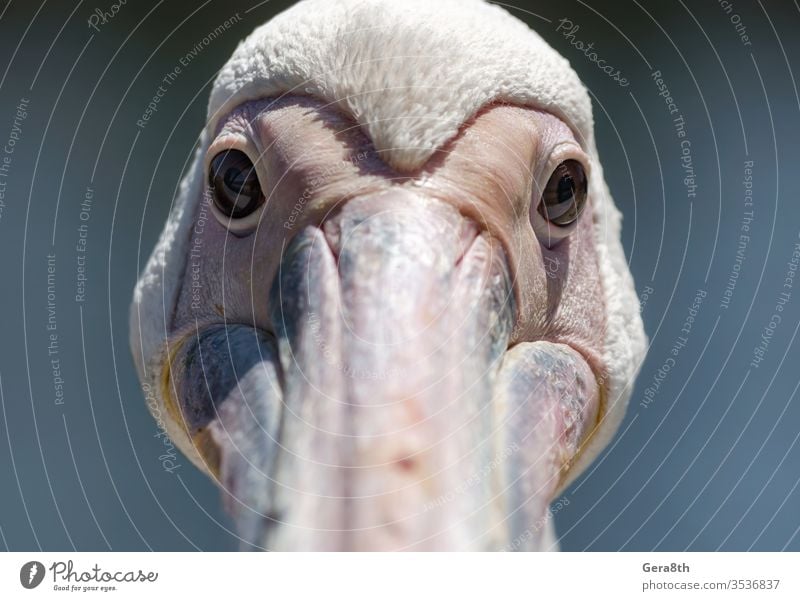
[564, 196]
[234, 183]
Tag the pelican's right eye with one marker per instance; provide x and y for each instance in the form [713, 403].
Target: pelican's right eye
[564, 196]
[234, 184]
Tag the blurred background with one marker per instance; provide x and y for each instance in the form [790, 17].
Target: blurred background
[708, 455]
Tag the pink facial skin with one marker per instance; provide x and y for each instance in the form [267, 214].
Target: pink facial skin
[412, 281]
[492, 173]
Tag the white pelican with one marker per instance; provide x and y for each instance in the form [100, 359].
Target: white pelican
[390, 307]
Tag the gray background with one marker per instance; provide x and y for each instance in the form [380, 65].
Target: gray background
[712, 463]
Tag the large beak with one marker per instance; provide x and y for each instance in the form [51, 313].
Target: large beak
[386, 412]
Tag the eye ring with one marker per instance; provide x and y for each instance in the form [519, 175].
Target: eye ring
[234, 186]
[563, 199]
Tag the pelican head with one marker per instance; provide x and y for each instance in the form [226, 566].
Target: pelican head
[390, 307]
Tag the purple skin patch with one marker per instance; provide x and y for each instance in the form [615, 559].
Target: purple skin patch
[390, 360]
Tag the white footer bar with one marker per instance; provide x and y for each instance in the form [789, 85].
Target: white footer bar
[401, 577]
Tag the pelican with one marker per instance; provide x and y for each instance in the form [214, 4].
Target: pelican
[390, 308]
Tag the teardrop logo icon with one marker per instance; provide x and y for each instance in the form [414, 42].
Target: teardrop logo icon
[31, 574]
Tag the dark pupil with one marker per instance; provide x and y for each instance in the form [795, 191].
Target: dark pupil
[237, 192]
[565, 194]
[235, 179]
[566, 189]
